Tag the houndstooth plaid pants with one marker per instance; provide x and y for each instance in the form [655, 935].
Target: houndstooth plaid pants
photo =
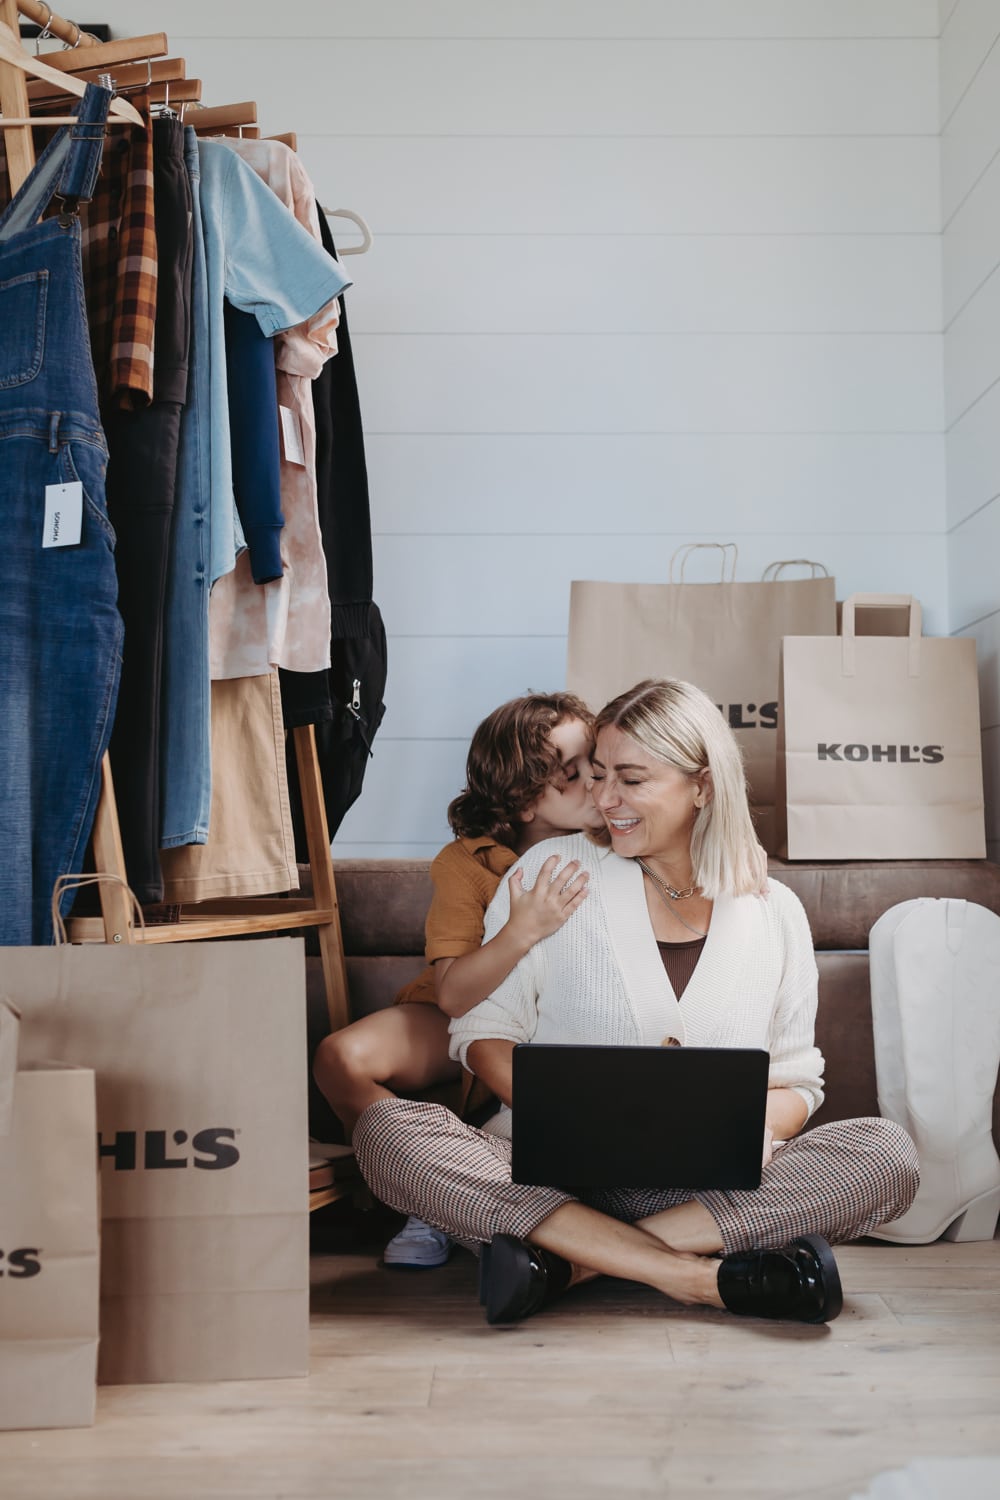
[839, 1180]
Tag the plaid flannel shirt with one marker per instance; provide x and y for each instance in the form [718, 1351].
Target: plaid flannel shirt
[119, 263]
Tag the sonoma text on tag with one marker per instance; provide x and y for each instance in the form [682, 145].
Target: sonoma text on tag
[63, 515]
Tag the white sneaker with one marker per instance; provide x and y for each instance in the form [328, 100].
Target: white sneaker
[418, 1245]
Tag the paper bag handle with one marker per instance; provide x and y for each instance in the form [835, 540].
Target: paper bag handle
[683, 553]
[10, 1026]
[880, 601]
[774, 570]
[76, 882]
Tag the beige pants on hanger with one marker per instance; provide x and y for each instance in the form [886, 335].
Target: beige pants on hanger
[251, 846]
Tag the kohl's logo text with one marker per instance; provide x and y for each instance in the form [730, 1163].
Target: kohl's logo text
[893, 755]
[749, 715]
[19, 1264]
[152, 1151]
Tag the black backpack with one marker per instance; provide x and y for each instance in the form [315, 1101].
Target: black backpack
[358, 670]
[347, 722]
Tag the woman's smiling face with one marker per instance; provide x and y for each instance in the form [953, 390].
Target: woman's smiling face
[648, 807]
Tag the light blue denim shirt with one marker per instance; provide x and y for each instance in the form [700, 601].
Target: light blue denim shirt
[262, 259]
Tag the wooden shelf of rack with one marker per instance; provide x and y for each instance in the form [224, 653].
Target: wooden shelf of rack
[231, 917]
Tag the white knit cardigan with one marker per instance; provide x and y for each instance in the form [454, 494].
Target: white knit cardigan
[600, 978]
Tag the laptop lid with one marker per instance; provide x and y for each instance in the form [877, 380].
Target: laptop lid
[636, 1117]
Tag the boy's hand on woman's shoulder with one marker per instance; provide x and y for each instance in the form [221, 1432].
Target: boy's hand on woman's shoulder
[554, 897]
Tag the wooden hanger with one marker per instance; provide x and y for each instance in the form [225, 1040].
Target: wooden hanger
[13, 53]
[186, 91]
[129, 77]
[215, 120]
[164, 91]
[106, 55]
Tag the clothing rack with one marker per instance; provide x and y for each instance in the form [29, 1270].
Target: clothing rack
[214, 918]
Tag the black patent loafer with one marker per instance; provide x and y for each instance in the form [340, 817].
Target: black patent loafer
[799, 1282]
[517, 1279]
[484, 1272]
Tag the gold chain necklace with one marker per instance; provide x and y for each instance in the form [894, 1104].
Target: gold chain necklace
[669, 896]
[669, 890]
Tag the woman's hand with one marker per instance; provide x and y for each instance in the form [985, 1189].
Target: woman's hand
[553, 898]
[768, 1147]
[785, 1115]
[492, 1060]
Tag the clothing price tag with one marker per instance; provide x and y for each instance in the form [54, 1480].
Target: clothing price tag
[63, 515]
[291, 436]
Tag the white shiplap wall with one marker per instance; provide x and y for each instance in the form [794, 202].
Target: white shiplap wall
[644, 273]
[970, 192]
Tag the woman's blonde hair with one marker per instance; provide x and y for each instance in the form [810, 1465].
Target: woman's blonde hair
[681, 726]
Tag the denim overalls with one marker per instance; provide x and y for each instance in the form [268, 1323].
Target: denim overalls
[60, 630]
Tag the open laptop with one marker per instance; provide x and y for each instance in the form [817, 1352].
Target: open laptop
[634, 1117]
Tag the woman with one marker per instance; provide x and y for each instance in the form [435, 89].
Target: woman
[683, 939]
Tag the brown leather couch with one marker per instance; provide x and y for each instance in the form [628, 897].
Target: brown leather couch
[383, 904]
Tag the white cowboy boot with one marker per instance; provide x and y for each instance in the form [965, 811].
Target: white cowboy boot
[935, 983]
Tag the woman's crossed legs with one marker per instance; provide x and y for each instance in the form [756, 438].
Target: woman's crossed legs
[839, 1180]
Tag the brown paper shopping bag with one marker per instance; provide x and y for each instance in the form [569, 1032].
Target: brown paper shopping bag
[199, 1051]
[49, 1275]
[725, 637]
[879, 749]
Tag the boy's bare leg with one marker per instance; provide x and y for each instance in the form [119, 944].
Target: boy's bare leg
[402, 1048]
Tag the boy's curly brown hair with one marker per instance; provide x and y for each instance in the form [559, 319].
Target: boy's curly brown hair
[510, 763]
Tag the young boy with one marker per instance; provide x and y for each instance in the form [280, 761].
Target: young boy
[527, 779]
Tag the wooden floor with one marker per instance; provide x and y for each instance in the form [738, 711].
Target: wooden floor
[613, 1392]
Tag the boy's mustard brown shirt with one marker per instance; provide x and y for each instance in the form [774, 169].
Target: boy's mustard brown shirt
[466, 874]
